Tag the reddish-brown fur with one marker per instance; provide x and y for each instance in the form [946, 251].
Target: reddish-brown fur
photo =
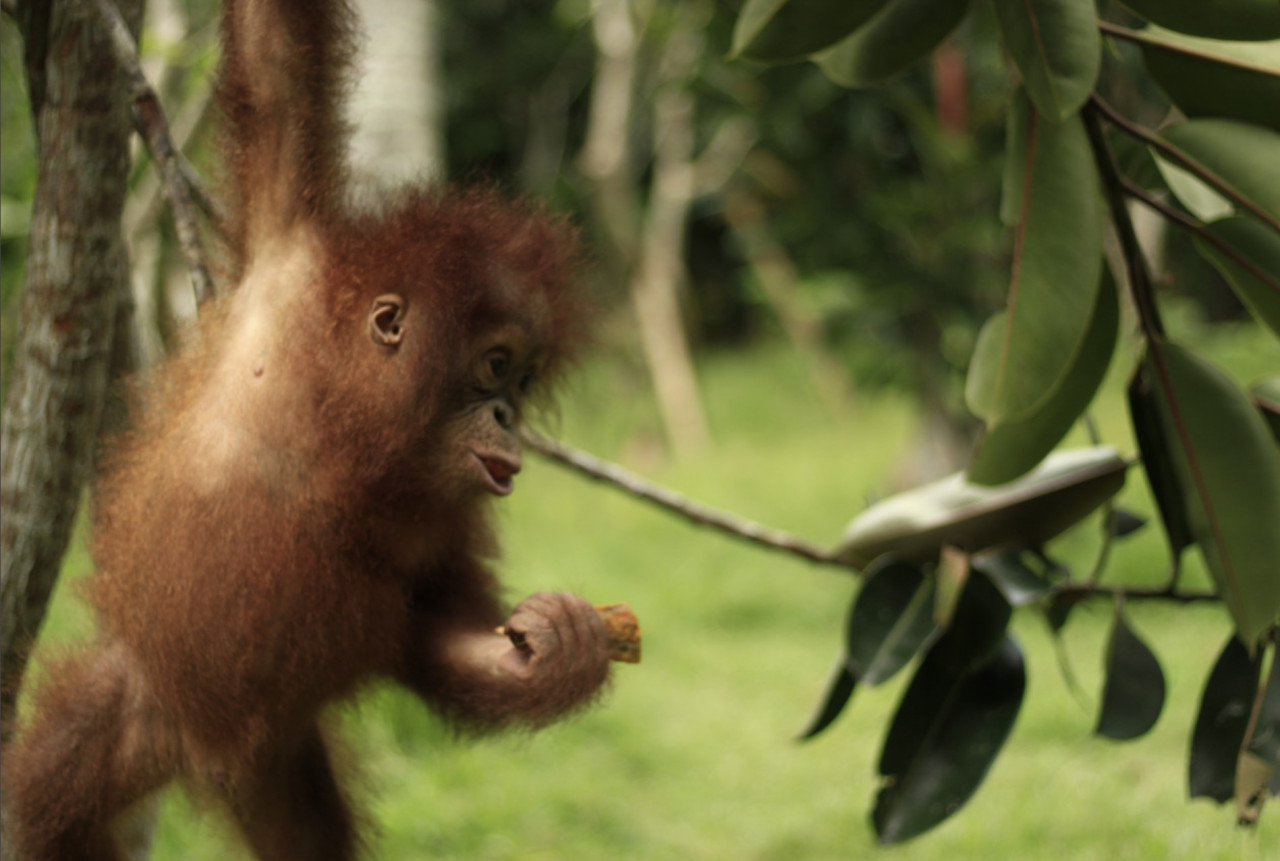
[297, 509]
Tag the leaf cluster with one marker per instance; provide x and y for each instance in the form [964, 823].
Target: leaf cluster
[944, 565]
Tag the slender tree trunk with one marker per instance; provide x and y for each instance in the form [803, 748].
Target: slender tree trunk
[648, 253]
[773, 268]
[661, 270]
[77, 269]
[397, 108]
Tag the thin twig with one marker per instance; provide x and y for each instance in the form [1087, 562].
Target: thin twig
[1139, 280]
[1187, 222]
[151, 123]
[695, 512]
[1167, 149]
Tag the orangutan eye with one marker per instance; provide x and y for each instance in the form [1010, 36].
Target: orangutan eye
[525, 382]
[494, 369]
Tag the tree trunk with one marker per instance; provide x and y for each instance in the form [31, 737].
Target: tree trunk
[661, 270]
[76, 271]
[397, 107]
[649, 255]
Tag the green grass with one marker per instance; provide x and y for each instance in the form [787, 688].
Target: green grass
[691, 755]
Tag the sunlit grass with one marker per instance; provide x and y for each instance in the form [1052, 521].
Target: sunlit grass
[691, 755]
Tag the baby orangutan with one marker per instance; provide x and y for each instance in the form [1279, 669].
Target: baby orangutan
[302, 503]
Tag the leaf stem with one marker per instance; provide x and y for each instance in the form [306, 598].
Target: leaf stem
[1138, 37]
[1200, 230]
[1174, 153]
[1135, 264]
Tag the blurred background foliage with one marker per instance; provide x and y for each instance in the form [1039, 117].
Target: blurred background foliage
[883, 214]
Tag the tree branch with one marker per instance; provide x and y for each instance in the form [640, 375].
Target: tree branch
[150, 121]
[663, 497]
[1175, 154]
[1188, 223]
[773, 539]
[1139, 279]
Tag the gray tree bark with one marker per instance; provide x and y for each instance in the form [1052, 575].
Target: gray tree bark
[77, 269]
[397, 107]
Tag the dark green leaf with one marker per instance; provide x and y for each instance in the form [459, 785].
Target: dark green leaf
[1210, 78]
[1009, 449]
[1221, 722]
[1157, 462]
[944, 737]
[779, 31]
[839, 690]
[1024, 353]
[899, 35]
[890, 620]
[1220, 19]
[1133, 695]
[1258, 285]
[1229, 468]
[1013, 577]
[1057, 48]
[1122, 522]
[1197, 196]
[915, 525]
[1241, 155]
[1266, 396]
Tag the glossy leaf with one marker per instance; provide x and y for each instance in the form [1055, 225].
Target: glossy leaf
[891, 619]
[779, 31]
[898, 36]
[1063, 489]
[839, 691]
[981, 618]
[1057, 48]
[1195, 194]
[1242, 155]
[1023, 355]
[1258, 286]
[944, 737]
[1013, 577]
[1009, 449]
[1212, 78]
[1133, 694]
[1220, 19]
[1156, 447]
[1221, 722]
[1229, 468]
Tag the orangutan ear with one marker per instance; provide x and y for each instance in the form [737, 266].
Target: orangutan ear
[386, 319]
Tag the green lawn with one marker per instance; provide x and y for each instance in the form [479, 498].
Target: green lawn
[691, 755]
